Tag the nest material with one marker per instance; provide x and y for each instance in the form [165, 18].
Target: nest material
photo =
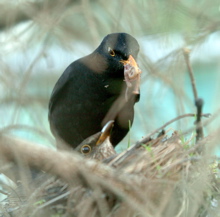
[160, 178]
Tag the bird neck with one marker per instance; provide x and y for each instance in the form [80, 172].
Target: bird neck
[95, 62]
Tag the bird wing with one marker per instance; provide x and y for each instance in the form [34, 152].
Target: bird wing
[59, 86]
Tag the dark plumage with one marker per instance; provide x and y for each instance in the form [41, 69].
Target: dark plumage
[95, 89]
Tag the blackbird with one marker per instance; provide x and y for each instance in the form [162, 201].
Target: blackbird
[95, 89]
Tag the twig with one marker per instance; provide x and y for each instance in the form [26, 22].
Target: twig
[50, 202]
[186, 53]
[2, 192]
[146, 139]
[9, 128]
[199, 129]
[198, 101]
[71, 167]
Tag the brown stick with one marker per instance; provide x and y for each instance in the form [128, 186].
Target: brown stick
[198, 101]
[146, 139]
[186, 53]
[62, 164]
[70, 167]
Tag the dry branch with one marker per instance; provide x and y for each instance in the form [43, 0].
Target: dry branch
[146, 180]
[62, 164]
[26, 11]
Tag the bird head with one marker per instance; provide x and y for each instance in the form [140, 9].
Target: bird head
[117, 48]
[117, 54]
[98, 146]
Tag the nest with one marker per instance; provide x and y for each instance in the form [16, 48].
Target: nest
[164, 177]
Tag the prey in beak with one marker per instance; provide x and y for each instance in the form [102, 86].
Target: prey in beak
[131, 76]
[98, 146]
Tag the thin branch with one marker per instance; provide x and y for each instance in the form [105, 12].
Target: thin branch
[72, 168]
[199, 129]
[25, 11]
[186, 53]
[198, 101]
[65, 164]
[39, 157]
[146, 139]
[14, 127]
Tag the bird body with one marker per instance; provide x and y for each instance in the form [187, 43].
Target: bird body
[91, 91]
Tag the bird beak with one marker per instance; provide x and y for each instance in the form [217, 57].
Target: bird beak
[130, 61]
[131, 69]
[105, 133]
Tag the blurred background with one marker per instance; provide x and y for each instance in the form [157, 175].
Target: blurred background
[39, 39]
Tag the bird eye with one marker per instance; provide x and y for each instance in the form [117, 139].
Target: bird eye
[86, 149]
[111, 52]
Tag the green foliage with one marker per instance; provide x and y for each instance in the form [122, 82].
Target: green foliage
[40, 202]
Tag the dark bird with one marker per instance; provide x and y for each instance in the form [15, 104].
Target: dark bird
[95, 89]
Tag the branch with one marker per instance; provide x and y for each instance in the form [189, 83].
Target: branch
[12, 14]
[62, 164]
[198, 101]
[71, 167]
[186, 53]
[148, 137]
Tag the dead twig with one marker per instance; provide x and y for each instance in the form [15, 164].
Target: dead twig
[147, 138]
[198, 101]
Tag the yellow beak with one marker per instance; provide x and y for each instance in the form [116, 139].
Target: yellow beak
[106, 132]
